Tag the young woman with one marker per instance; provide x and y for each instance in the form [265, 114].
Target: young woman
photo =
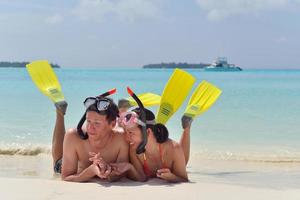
[152, 152]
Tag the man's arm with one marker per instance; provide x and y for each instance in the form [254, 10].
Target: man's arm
[122, 157]
[70, 160]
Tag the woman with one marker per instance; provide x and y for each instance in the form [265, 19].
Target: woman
[152, 153]
[162, 158]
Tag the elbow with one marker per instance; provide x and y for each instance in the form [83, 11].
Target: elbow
[139, 178]
[184, 179]
[142, 178]
[64, 178]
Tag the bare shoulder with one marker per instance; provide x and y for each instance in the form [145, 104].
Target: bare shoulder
[173, 145]
[72, 135]
[119, 141]
[117, 137]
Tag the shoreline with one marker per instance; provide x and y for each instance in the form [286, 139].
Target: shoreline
[204, 151]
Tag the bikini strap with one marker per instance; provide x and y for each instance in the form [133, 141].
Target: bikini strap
[146, 167]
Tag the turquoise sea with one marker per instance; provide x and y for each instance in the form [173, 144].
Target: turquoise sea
[257, 117]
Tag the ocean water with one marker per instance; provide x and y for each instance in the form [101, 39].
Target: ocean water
[256, 118]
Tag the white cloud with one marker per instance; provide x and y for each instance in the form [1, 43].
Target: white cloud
[129, 10]
[54, 19]
[219, 9]
[281, 39]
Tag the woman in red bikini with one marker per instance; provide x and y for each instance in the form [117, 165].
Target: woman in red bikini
[152, 153]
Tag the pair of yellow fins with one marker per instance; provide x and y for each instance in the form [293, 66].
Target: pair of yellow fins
[175, 92]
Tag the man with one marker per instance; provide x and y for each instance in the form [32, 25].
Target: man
[78, 151]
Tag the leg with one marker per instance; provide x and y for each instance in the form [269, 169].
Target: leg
[185, 137]
[59, 131]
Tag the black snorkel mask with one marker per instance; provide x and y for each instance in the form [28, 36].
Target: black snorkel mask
[101, 103]
[141, 148]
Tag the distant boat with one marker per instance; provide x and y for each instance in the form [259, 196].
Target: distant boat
[221, 65]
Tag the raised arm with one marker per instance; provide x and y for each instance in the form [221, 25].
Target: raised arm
[186, 123]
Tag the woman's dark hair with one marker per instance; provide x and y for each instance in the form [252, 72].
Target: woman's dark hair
[111, 113]
[160, 131]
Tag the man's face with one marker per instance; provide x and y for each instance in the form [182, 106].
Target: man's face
[97, 125]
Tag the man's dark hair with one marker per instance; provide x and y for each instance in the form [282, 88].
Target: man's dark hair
[111, 113]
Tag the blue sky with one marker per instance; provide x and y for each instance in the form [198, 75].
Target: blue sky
[131, 33]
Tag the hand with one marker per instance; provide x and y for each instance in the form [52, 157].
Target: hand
[186, 122]
[96, 170]
[120, 168]
[94, 157]
[165, 174]
[117, 170]
[104, 168]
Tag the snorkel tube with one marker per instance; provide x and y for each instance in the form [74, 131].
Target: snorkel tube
[141, 148]
[105, 94]
[83, 135]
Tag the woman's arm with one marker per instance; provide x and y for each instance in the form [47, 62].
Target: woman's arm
[178, 172]
[186, 123]
[136, 172]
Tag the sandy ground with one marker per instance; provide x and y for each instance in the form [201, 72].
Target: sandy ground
[31, 178]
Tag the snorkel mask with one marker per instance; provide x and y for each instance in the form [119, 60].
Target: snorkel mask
[101, 104]
[129, 119]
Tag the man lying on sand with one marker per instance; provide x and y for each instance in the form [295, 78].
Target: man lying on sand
[73, 151]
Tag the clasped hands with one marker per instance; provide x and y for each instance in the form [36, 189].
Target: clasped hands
[107, 171]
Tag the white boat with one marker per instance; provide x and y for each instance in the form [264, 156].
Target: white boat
[221, 64]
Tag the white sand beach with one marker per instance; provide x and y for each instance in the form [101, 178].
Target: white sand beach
[30, 178]
[31, 189]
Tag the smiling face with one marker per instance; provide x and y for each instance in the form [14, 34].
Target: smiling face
[97, 125]
[134, 135]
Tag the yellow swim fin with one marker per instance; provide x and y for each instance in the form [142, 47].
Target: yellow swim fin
[45, 79]
[202, 99]
[148, 99]
[174, 94]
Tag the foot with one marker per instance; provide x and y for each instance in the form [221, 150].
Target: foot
[61, 107]
[186, 121]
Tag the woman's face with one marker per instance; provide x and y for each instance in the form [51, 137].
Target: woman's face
[134, 135]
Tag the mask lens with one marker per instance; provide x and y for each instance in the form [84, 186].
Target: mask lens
[102, 105]
[89, 101]
[128, 117]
